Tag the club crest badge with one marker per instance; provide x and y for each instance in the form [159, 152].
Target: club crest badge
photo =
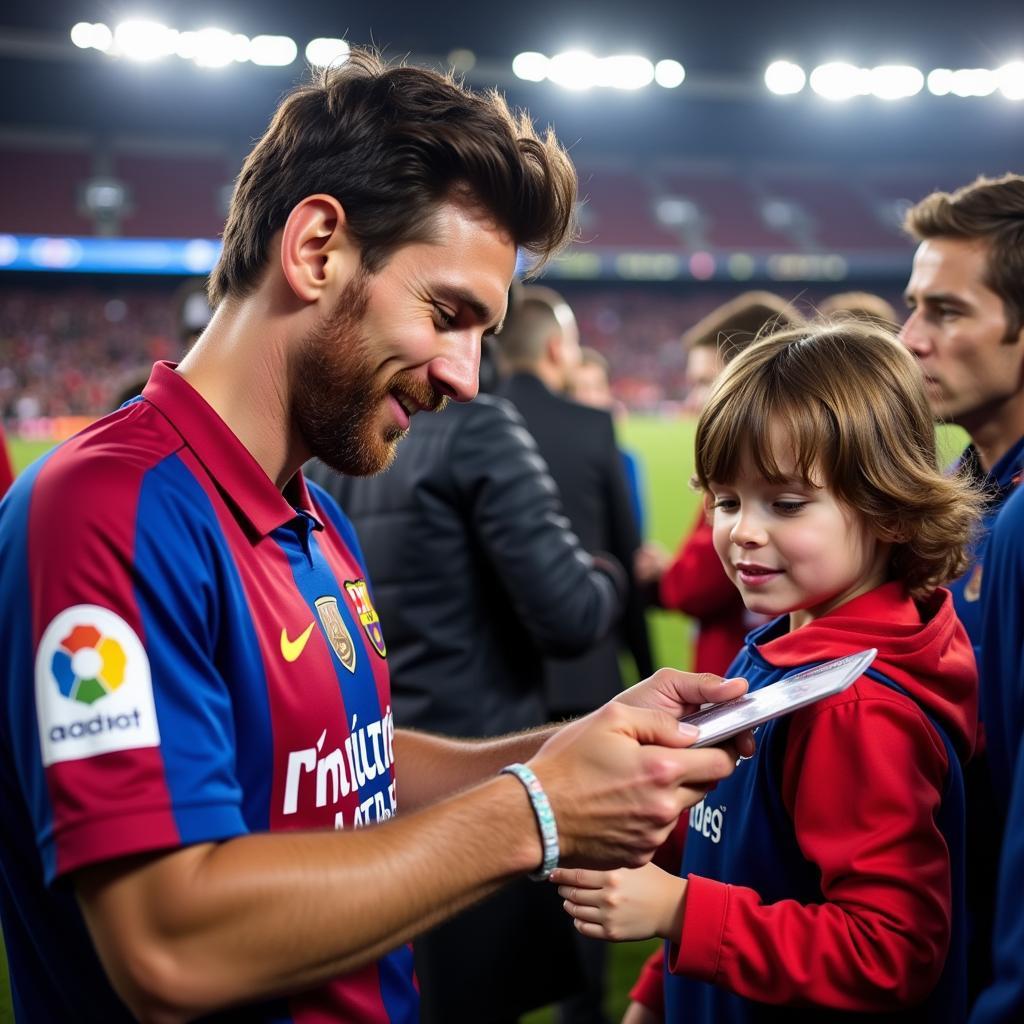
[337, 632]
[360, 595]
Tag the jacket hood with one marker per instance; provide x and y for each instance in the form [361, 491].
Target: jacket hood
[922, 647]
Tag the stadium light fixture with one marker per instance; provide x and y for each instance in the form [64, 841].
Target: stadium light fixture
[574, 69]
[625, 71]
[1011, 80]
[669, 74]
[579, 70]
[839, 81]
[144, 41]
[785, 78]
[324, 52]
[272, 51]
[896, 81]
[530, 66]
[86, 36]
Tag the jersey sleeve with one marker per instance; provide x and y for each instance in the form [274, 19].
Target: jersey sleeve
[863, 782]
[127, 728]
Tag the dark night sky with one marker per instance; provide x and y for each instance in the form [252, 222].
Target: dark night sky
[710, 38]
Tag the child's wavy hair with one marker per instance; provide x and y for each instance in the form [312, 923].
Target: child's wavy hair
[850, 399]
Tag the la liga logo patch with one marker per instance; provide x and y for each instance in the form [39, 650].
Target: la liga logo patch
[94, 692]
[88, 665]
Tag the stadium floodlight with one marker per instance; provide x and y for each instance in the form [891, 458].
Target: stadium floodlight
[272, 51]
[785, 78]
[839, 81]
[87, 36]
[216, 48]
[530, 66]
[1011, 80]
[669, 74]
[574, 69]
[625, 71]
[144, 40]
[973, 82]
[324, 52]
[940, 81]
[896, 81]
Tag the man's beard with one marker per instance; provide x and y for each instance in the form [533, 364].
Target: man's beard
[336, 401]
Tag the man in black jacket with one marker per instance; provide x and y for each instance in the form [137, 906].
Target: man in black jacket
[540, 351]
[476, 577]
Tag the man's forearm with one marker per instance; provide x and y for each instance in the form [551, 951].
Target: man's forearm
[209, 926]
[432, 767]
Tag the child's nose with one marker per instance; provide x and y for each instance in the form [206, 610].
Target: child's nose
[748, 531]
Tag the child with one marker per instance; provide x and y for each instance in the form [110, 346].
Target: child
[827, 872]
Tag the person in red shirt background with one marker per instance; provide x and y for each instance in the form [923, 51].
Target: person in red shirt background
[6, 469]
[693, 581]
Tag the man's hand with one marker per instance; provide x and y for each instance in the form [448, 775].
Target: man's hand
[618, 780]
[682, 693]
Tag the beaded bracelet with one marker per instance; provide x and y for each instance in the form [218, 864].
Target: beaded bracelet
[545, 819]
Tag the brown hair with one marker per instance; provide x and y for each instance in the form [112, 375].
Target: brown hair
[859, 306]
[849, 398]
[990, 209]
[391, 143]
[735, 324]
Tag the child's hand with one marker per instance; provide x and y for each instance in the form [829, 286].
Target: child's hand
[637, 1013]
[623, 905]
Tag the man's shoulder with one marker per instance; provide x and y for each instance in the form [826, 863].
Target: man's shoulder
[101, 472]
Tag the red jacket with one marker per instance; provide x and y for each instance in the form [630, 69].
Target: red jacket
[696, 585]
[6, 470]
[861, 782]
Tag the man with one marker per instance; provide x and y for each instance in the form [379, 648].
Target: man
[196, 714]
[477, 576]
[591, 385]
[540, 352]
[966, 328]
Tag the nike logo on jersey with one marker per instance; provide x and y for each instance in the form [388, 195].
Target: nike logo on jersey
[291, 649]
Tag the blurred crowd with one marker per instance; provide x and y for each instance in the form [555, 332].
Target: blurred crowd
[68, 351]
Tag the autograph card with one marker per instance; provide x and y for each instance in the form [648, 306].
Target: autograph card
[720, 721]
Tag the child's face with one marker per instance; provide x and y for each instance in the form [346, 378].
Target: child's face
[793, 547]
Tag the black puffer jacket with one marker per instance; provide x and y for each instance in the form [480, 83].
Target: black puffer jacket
[475, 571]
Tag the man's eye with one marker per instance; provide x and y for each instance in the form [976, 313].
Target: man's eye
[444, 318]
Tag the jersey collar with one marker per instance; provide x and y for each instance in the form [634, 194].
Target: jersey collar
[231, 465]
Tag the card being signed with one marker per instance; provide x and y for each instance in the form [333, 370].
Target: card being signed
[720, 721]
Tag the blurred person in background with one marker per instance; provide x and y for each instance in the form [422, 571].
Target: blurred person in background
[693, 581]
[477, 577]
[199, 770]
[591, 385]
[6, 468]
[861, 306]
[540, 353]
[965, 326]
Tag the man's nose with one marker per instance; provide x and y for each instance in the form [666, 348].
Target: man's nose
[456, 374]
[914, 335]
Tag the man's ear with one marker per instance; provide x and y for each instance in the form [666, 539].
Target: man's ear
[553, 351]
[317, 252]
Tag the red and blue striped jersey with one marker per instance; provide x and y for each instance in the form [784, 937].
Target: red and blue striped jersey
[190, 655]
